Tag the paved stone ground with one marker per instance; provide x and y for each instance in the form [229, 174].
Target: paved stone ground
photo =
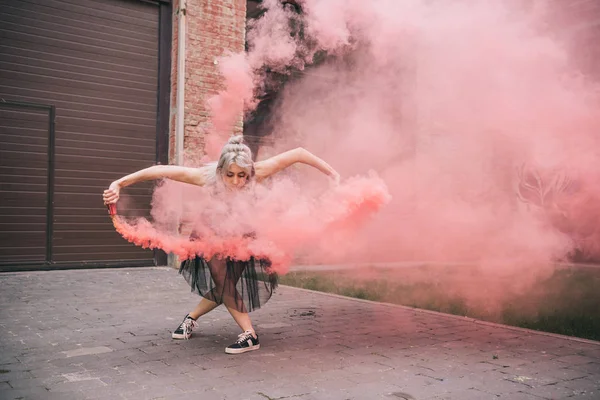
[105, 334]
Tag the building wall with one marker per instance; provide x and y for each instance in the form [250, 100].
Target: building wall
[214, 27]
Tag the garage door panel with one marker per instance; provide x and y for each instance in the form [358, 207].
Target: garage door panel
[84, 212]
[80, 226]
[108, 120]
[16, 160]
[20, 136]
[34, 239]
[59, 72]
[23, 148]
[91, 199]
[86, 188]
[137, 256]
[143, 11]
[96, 62]
[105, 145]
[40, 220]
[32, 117]
[39, 53]
[67, 16]
[107, 127]
[130, 62]
[23, 186]
[79, 151]
[100, 177]
[88, 219]
[109, 12]
[22, 127]
[138, 59]
[23, 211]
[70, 162]
[54, 86]
[85, 237]
[23, 183]
[22, 253]
[100, 89]
[116, 134]
[70, 101]
[10, 182]
[23, 227]
[95, 172]
[23, 199]
[102, 183]
[17, 11]
[9, 173]
[15, 164]
[30, 257]
[124, 247]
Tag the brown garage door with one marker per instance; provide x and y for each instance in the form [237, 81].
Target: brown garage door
[24, 144]
[97, 63]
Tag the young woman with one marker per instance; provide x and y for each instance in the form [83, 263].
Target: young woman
[242, 286]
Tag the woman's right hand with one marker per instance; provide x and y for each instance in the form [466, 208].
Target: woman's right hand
[111, 195]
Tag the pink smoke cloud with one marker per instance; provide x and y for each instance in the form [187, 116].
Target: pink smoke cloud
[447, 102]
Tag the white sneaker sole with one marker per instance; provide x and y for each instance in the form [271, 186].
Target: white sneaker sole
[241, 350]
[180, 337]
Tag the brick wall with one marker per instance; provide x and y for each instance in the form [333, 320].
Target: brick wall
[214, 27]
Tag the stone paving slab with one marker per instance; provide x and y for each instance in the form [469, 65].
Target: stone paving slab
[106, 334]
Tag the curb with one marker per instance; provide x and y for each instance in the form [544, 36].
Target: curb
[455, 317]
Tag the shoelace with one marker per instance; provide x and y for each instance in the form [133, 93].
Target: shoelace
[188, 324]
[242, 337]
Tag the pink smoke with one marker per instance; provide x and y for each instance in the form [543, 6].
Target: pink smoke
[243, 73]
[227, 105]
[447, 101]
[264, 223]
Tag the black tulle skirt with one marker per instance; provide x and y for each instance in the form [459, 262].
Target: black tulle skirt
[242, 285]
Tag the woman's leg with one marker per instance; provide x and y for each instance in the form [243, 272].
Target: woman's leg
[242, 319]
[234, 302]
[198, 278]
[202, 308]
[248, 340]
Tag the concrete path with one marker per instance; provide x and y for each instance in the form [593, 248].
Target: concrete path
[106, 334]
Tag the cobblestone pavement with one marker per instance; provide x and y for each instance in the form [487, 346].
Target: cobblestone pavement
[106, 334]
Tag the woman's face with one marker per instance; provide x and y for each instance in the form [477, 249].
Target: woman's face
[235, 177]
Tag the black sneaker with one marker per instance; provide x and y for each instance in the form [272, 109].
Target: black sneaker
[245, 342]
[184, 331]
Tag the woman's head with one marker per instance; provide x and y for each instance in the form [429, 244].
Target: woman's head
[235, 166]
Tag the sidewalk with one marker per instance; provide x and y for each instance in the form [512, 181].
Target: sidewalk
[106, 334]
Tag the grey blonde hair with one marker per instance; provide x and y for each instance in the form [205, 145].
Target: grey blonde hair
[236, 152]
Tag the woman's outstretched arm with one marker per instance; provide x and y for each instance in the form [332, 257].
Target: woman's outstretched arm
[194, 176]
[277, 163]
